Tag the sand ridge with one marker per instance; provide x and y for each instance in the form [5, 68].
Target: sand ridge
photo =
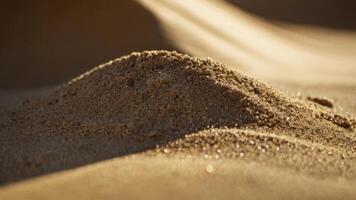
[152, 98]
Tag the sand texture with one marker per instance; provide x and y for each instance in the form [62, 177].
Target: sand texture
[175, 104]
[241, 100]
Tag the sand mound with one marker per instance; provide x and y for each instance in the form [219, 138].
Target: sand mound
[46, 43]
[151, 98]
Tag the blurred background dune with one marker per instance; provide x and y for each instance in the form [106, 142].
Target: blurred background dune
[339, 14]
[49, 42]
[263, 48]
[306, 42]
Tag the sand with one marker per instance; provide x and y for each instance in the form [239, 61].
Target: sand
[143, 177]
[261, 108]
[160, 102]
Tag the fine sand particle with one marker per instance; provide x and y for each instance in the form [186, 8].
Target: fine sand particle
[176, 103]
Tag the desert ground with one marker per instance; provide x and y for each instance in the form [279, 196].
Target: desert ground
[158, 99]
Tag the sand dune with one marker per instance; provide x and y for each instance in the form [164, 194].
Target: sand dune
[154, 98]
[159, 124]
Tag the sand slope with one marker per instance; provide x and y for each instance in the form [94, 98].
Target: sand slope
[177, 178]
[165, 103]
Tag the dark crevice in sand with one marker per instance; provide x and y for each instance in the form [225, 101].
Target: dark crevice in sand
[321, 101]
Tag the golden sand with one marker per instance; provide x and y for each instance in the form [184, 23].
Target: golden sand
[175, 103]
